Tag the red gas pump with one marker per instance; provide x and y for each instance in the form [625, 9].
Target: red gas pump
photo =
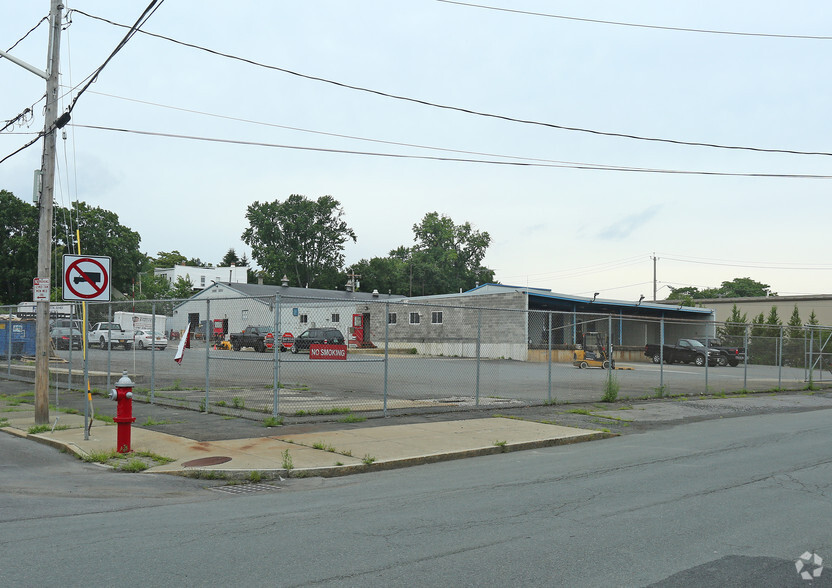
[123, 395]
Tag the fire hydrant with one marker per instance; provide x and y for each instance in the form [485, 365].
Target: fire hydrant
[123, 395]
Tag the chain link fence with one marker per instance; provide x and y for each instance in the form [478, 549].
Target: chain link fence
[281, 355]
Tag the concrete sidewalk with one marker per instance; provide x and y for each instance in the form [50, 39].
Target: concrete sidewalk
[312, 449]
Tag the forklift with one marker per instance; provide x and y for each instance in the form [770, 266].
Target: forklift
[593, 351]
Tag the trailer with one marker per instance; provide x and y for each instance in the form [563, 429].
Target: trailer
[140, 321]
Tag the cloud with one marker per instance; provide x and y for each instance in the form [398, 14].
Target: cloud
[623, 228]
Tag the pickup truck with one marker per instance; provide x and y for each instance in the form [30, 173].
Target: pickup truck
[260, 338]
[732, 356]
[685, 351]
[101, 333]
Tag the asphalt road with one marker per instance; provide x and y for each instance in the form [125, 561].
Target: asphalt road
[726, 502]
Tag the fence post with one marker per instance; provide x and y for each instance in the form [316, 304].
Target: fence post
[609, 344]
[479, 333]
[780, 362]
[661, 355]
[109, 341]
[811, 357]
[207, 354]
[386, 350]
[707, 357]
[152, 351]
[745, 362]
[549, 396]
[9, 344]
[277, 348]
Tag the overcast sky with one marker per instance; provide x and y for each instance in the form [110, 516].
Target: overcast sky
[570, 229]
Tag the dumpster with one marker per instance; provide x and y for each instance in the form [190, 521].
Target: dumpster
[18, 337]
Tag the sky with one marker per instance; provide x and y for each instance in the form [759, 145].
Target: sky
[568, 222]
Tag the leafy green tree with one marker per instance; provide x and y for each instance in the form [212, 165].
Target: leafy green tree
[758, 328]
[152, 287]
[385, 274]
[103, 234]
[182, 288]
[301, 238]
[813, 319]
[19, 244]
[168, 259]
[773, 321]
[736, 288]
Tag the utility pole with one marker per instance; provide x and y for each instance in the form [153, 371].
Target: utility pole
[42, 343]
[654, 277]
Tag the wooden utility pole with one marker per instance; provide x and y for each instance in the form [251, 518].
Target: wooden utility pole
[42, 341]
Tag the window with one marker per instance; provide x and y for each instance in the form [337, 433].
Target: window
[391, 318]
[436, 317]
[304, 318]
[415, 319]
[202, 281]
[336, 318]
[244, 315]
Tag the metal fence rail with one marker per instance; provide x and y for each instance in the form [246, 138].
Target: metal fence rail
[405, 355]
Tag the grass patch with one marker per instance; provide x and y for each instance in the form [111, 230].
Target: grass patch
[324, 411]
[582, 411]
[4, 422]
[287, 461]
[152, 423]
[238, 402]
[133, 466]
[367, 459]
[351, 418]
[37, 429]
[103, 417]
[501, 444]
[273, 421]
[255, 477]
[320, 445]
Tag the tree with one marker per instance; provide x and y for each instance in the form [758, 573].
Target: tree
[168, 259]
[19, 244]
[735, 326]
[230, 258]
[152, 287]
[301, 238]
[736, 288]
[795, 325]
[385, 274]
[103, 234]
[774, 323]
[182, 288]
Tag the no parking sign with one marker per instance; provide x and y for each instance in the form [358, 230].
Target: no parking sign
[86, 278]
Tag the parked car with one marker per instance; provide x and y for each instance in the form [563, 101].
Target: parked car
[145, 340]
[314, 336]
[259, 338]
[100, 333]
[61, 337]
[685, 351]
[730, 355]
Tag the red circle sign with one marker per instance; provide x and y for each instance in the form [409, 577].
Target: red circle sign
[287, 340]
[86, 277]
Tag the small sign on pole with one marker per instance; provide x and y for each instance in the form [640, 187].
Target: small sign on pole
[40, 290]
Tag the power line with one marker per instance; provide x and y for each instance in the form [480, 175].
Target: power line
[29, 32]
[749, 265]
[468, 110]
[453, 159]
[637, 25]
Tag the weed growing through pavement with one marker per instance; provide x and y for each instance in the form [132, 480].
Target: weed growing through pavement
[501, 444]
[255, 477]
[351, 418]
[273, 421]
[323, 447]
[611, 388]
[133, 466]
[152, 423]
[4, 422]
[367, 459]
[45, 429]
[287, 460]
[238, 402]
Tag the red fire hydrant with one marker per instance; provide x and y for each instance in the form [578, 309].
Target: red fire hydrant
[123, 395]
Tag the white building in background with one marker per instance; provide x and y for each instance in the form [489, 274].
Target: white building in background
[203, 277]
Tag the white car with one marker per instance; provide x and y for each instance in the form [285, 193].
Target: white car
[144, 340]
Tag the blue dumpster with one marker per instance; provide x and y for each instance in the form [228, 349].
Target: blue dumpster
[19, 336]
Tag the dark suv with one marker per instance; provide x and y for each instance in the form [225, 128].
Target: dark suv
[315, 336]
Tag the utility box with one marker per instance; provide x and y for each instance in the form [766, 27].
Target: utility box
[17, 338]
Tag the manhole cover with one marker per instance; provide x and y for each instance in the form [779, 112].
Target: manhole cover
[245, 488]
[206, 461]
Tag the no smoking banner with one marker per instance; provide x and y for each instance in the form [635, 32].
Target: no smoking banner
[86, 278]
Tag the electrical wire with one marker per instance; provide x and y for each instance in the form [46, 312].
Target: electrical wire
[143, 18]
[468, 110]
[749, 265]
[452, 159]
[637, 25]
[20, 40]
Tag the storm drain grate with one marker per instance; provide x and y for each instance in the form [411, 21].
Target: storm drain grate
[245, 488]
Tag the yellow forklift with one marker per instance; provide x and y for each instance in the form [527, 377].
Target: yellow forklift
[593, 351]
